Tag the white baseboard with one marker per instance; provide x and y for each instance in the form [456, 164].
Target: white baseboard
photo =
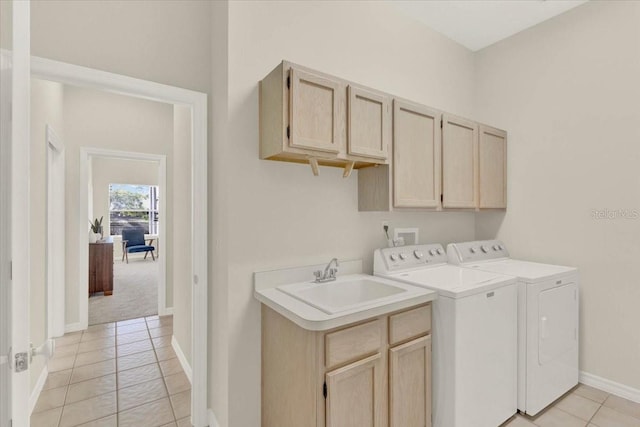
[609, 386]
[37, 389]
[168, 311]
[181, 358]
[73, 327]
[213, 421]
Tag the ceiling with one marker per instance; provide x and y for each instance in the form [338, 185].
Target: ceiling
[477, 24]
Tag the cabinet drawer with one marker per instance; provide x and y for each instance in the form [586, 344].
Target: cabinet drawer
[409, 324]
[352, 343]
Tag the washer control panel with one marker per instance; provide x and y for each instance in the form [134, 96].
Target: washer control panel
[407, 257]
[482, 250]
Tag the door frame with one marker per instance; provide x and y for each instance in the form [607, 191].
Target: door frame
[86, 154]
[15, 262]
[55, 254]
[197, 101]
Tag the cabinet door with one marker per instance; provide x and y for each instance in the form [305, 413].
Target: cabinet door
[416, 156]
[459, 163]
[493, 168]
[355, 395]
[315, 114]
[410, 384]
[368, 123]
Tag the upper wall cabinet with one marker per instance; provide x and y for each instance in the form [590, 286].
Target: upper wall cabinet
[308, 116]
[416, 156]
[315, 113]
[459, 162]
[369, 123]
[492, 168]
[408, 156]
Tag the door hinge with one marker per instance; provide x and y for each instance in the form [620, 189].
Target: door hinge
[288, 132]
[288, 82]
[324, 389]
[441, 124]
[441, 198]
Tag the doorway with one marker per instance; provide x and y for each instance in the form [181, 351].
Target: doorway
[137, 287]
[196, 104]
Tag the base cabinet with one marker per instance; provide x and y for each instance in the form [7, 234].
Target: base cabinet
[376, 373]
[410, 384]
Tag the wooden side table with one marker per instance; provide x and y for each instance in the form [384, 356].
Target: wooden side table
[101, 268]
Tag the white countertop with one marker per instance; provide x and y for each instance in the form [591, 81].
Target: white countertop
[308, 317]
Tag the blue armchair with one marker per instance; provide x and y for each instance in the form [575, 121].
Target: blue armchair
[133, 241]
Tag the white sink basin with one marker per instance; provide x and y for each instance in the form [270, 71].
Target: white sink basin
[343, 294]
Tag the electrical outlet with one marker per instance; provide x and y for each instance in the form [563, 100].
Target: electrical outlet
[385, 223]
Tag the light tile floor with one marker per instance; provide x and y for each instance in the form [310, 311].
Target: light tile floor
[116, 374]
[581, 407]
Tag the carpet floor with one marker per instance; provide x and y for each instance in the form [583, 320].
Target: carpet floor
[135, 293]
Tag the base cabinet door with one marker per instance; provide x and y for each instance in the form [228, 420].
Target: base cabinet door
[355, 395]
[410, 384]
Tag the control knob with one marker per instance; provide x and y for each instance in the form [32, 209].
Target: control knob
[496, 248]
[472, 250]
[484, 248]
[432, 252]
[440, 251]
[403, 256]
[393, 257]
[418, 254]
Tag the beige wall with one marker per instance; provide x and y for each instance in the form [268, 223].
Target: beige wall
[568, 92]
[181, 220]
[103, 120]
[107, 171]
[280, 214]
[46, 108]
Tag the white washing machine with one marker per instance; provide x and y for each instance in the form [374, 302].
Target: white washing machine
[474, 335]
[548, 307]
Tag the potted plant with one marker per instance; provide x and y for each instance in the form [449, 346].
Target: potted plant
[96, 230]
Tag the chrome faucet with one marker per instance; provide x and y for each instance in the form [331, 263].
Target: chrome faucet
[329, 274]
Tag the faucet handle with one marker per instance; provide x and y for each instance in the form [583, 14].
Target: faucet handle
[317, 274]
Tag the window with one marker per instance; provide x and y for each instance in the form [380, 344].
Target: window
[133, 206]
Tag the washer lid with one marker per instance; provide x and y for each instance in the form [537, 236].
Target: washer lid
[454, 282]
[526, 271]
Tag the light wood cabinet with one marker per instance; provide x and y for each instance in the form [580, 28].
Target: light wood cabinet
[369, 123]
[492, 168]
[410, 384]
[310, 117]
[346, 377]
[354, 394]
[315, 116]
[416, 156]
[459, 162]
[408, 156]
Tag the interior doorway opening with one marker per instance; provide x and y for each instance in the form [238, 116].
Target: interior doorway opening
[193, 354]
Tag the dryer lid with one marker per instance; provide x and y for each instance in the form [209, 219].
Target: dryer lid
[527, 271]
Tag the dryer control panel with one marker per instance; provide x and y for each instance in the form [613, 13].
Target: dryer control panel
[408, 257]
[480, 250]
